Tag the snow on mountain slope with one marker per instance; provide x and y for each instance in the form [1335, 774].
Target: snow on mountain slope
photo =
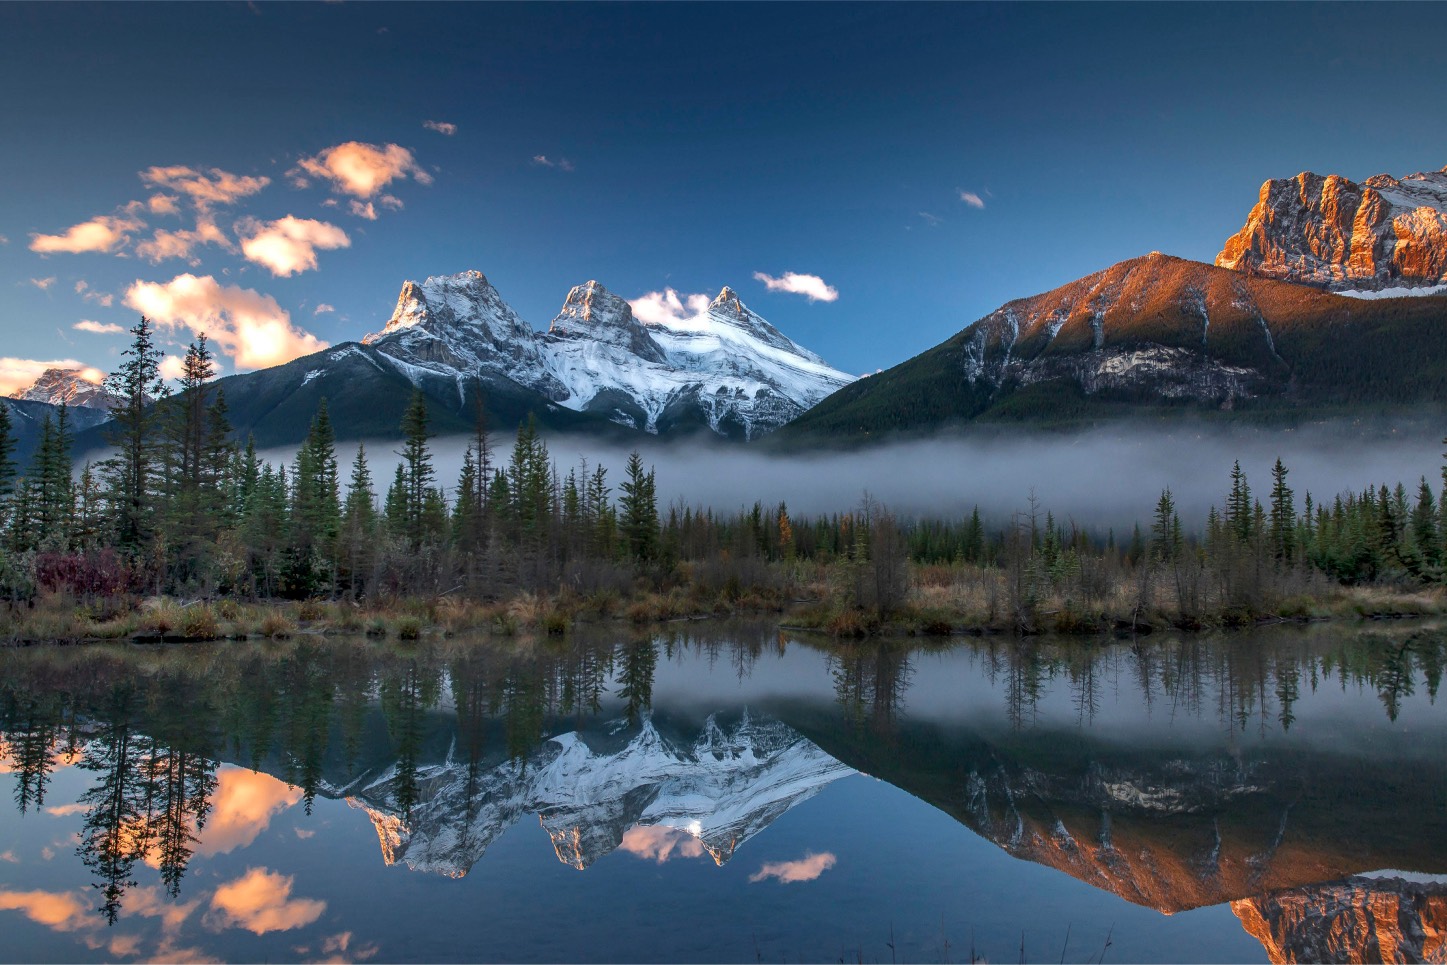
[77, 388]
[721, 791]
[727, 368]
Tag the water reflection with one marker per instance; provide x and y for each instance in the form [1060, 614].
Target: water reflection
[1175, 773]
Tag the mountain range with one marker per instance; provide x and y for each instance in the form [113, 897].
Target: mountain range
[1330, 300]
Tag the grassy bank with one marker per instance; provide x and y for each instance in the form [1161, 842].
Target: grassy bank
[935, 601]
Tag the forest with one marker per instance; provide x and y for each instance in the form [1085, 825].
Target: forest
[181, 532]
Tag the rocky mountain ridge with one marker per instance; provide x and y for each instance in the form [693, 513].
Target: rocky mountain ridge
[1157, 333]
[68, 387]
[1383, 234]
[726, 369]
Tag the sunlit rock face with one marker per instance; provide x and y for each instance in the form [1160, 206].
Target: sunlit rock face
[1384, 233]
[591, 792]
[1361, 919]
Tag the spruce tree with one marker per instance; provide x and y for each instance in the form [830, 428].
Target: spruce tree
[416, 471]
[7, 459]
[128, 473]
[1283, 516]
[639, 510]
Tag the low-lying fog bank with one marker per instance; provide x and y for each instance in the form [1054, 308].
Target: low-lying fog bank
[1102, 477]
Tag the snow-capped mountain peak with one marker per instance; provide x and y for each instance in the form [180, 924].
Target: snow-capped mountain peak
[726, 368]
[593, 312]
[75, 388]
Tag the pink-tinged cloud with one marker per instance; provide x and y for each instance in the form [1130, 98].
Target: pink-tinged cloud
[97, 328]
[441, 127]
[972, 199]
[807, 868]
[323, 309]
[57, 910]
[260, 902]
[366, 210]
[246, 325]
[163, 204]
[288, 246]
[43, 283]
[66, 810]
[104, 299]
[361, 170]
[104, 234]
[17, 375]
[244, 805]
[810, 286]
[204, 188]
[667, 307]
[557, 164]
[183, 244]
[661, 844]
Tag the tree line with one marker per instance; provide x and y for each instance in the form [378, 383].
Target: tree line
[180, 507]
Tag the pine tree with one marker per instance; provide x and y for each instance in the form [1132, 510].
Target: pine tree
[1238, 505]
[1283, 516]
[128, 473]
[7, 460]
[1165, 531]
[416, 472]
[639, 510]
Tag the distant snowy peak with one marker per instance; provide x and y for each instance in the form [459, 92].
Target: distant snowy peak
[1385, 233]
[445, 304]
[728, 309]
[593, 312]
[724, 369]
[69, 387]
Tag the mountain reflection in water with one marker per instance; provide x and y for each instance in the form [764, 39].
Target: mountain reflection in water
[1277, 772]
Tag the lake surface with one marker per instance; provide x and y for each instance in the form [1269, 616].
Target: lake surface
[729, 793]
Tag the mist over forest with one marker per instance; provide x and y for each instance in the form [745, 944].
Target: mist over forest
[1100, 478]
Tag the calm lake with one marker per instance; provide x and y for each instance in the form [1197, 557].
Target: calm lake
[729, 793]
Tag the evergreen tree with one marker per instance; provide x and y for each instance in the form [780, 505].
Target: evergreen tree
[639, 511]
[128, 473]
[416, 472]
[1283, 516]
[1165, 529]
[1238, 505]
[7, 459]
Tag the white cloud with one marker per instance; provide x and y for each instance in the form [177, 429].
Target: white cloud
[931, 219]
[171, 368]
[324, 308]
[4, 240]
[81, 286]
[103, 299]
[361, 170]
[97, 328]
[288, 246]
[204, 188]
[807, 868]
[43, 283]
[441, 127]
[19, 374]
[366, 210]
[666, 308]
[248, 326]
[104, 234]
[972, 199]
[560, 164]
[811, 286]
[182, 244]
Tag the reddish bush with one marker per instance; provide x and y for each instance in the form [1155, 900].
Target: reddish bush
[97, 574]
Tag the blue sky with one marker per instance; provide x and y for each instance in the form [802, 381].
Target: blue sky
[688, 146]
